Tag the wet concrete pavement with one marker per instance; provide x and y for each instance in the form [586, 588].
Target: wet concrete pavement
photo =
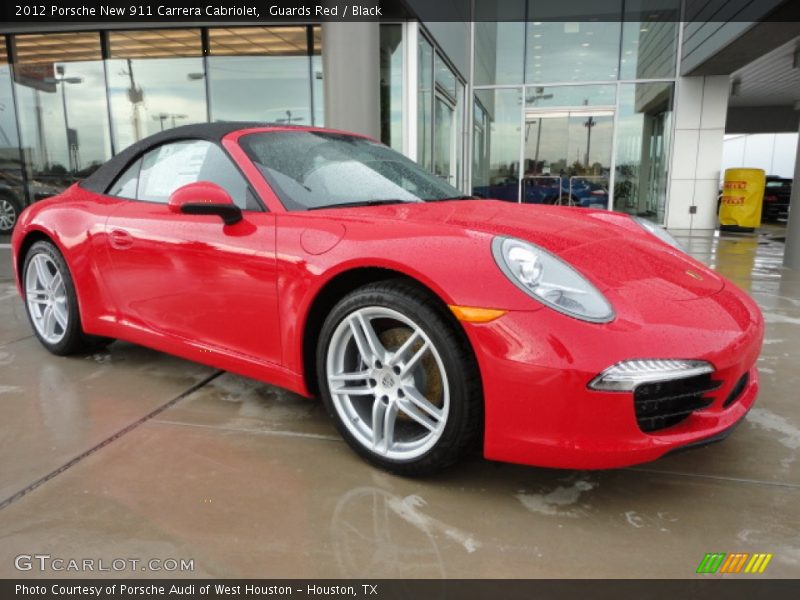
[248, 480]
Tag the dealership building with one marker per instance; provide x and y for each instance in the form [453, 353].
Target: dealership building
[627, 110]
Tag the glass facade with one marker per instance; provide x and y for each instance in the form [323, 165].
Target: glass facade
[155, 82]
[576, 113]
[495, 172]
[260, 73]
[392, 75]
[643, 141]
[499, 48]
[59, 86]
[69, 101]
[425, 103]
[572, 52]
[440, 115]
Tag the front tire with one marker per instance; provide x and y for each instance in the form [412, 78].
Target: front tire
[52, 304]
[399, 379]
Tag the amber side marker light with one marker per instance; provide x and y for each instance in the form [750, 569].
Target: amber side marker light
[471, 314]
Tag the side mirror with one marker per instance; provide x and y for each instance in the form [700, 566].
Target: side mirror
[205, 198]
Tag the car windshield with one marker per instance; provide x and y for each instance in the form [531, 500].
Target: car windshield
[320, 169]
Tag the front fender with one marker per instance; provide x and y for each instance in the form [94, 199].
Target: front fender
[454, 264]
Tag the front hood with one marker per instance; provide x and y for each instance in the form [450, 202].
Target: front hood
[608, 248]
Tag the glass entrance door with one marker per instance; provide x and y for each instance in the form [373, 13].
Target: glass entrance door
[567, 157]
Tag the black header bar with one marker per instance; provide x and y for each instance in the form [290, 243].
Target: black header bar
[18, 14]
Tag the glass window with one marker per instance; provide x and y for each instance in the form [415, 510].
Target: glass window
[643, 141]
[62, 110]
[499, 52]
[425, 103]
[12, 191]
[156, 81]
[444, 139]
[572, 51]
[570, 96]
[391, 65]
[126, 184]
[447, 118]
[259, 74]
[480, 127]
[319, 169]
[171, 166]
[496, 162]
[445, 78]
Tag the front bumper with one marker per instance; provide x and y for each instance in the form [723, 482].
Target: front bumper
[536, 367]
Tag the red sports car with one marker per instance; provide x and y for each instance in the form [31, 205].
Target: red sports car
[429, 322]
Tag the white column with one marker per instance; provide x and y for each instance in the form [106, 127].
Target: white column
[701, 106]
[350, 59]
[791, 255]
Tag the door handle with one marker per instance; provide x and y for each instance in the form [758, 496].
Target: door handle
[120, 239]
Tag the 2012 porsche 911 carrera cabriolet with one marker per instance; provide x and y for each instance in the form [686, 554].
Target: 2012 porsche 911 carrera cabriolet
[429, 322]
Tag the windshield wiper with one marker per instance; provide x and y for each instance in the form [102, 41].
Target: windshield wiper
[364, 203]
[454, 198]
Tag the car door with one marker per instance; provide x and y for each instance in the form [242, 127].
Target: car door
[191, 276]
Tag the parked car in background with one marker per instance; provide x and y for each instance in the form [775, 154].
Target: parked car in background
[546, 189]
[777, 192]
[10, 207]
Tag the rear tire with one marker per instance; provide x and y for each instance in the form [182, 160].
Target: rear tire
[410, 406]
[51, 302]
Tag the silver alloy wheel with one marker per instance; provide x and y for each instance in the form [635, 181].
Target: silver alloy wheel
[395, 401]
[47, 298]
[8, 215]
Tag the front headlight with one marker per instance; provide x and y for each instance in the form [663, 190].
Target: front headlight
[550, 280]
[659, 232]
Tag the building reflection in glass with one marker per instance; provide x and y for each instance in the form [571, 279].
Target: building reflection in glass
[62, 112]
[156, 81]
[391, 73]
[643, 141]
[261, 74]
[495, 171]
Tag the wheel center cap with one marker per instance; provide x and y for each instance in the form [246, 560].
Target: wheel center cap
[387, 380]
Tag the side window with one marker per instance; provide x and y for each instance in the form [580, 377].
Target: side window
[125, 185]
[171, 166]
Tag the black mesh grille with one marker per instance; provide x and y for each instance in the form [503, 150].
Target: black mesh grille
[737, 390]
[667, 403]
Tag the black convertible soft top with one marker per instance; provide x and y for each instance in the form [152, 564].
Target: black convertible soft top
[106, 174]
